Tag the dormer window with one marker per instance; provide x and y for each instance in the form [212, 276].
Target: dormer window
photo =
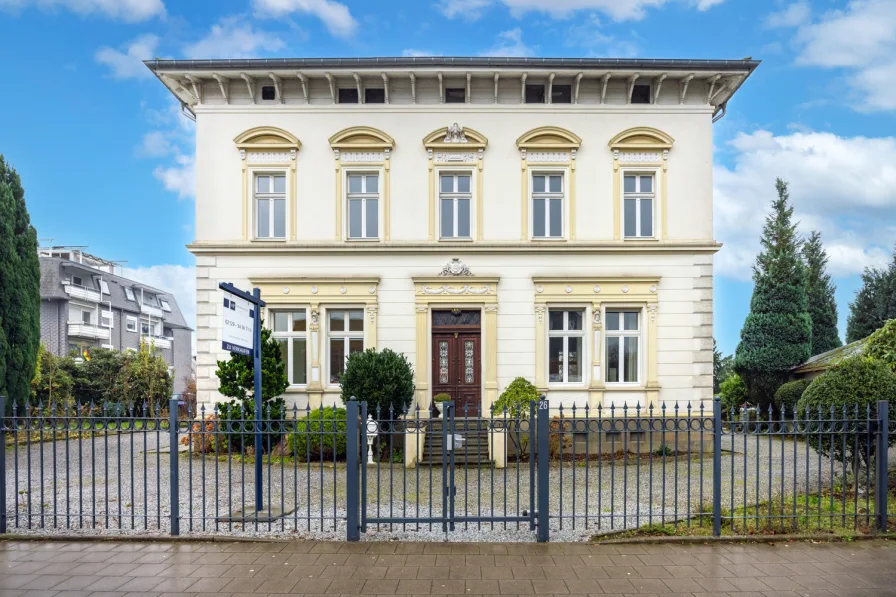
[77, 281]
[268, 92]
[375, 96]
[165, 305]
[348, 96]
[455, 95]
[561, 94]
[129, 293]
[534, 94]
[641, 94]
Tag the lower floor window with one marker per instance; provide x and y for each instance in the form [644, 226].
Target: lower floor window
[565, 345]
[290, 329]
[623, 346]
[345, 336]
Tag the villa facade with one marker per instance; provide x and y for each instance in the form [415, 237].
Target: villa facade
[489, 218]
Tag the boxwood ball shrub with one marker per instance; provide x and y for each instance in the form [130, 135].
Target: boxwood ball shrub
[789, 394]
[319, 434]
[384, 379]
[854, 383]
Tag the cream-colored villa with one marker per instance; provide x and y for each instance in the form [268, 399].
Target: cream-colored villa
[488, 217]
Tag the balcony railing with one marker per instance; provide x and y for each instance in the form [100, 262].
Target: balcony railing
[86, 330]
[154, 312]
[158, 341]
[83, 293]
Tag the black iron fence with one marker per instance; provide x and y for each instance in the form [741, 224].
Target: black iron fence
[545, 471]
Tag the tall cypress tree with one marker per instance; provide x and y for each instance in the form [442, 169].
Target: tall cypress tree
[820, 289]
[19, 289]
[875, 302]
[777, 333]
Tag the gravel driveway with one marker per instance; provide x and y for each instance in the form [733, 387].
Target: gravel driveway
[98, 492]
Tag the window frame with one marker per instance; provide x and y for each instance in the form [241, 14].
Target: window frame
[621, 333]
[129, 294]
[455, 195]
[533, 86]
[128, 321]
[165, 305]
[111, 319]
[566, 333]
[347, 172]
[455, 100]
[346, 335]
[349, 91]
[291, 335]
[564, 202]
[638, 196]
[271, 197]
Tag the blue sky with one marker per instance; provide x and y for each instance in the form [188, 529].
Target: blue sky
[107, 161]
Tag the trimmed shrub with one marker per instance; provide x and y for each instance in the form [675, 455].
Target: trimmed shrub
[320, 434]
[384, 379]
[237, 422]
[854, 384]
[733, 392]
[881, 345]
[442, 397]
[789, 394]
[515, 398]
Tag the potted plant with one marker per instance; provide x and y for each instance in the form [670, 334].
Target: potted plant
[436, 401]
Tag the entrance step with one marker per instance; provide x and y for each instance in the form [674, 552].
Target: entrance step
[473, 452]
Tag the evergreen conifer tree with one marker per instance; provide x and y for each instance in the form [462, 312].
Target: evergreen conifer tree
[19, 290]
[875, 302]
[777, 333]
[820, 290]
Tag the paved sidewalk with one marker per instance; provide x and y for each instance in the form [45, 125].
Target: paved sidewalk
[76, 569]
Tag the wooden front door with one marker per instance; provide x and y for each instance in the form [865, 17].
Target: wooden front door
[456, 369]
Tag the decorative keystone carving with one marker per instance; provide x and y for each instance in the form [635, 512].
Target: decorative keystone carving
[455, 134]
[456, 267]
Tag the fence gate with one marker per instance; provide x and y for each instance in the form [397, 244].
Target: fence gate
[462, 470]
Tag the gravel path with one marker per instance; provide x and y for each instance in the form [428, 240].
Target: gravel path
[584, 500]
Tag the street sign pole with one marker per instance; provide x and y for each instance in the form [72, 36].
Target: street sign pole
[234, 342]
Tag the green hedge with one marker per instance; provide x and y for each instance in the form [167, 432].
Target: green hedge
[733, 392]
[789, 394]
[314, 435]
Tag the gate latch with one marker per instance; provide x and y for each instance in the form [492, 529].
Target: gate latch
[455, 441]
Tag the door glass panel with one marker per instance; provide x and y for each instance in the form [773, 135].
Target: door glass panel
[555, 360]
[443, 361]
[299, 374]
[538, 217]
[447, 218]
[356, 320]
[612, 359]
[574, 360]
[556, 218]
[468, 361]
[463, 218]
[631, 359]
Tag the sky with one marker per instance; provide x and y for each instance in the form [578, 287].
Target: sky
[107, 160]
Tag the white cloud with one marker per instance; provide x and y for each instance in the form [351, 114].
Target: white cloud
[859, 39]
[843, 186]
[130, 11]
[128, 63]
[619, 11]
[510, 44]
[233, 37]
[794, 15]
[336, 16]
[179, 280]
[179, 178]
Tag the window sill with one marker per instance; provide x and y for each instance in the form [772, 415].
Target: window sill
[640, 238]
[577, 387]
[626, 387]
[455, 240]
[547, 239]
[363, 240]
[269, 240]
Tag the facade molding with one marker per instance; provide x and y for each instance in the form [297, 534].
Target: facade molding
[615, 247]
[642, 147]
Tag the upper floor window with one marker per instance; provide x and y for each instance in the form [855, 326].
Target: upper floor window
[165, 305]
[129, 293]
[534, 94]
[345, 336]
[375, 95]
[455, 197]
[348, 95]
[86, 317]
[291, 332]
[270, 206]
[363, 205]
[104, 287]
[77, 281]
[638, 200]
[455, 95]
[547, 205]
[566, 341]
[561, 94]
[641, 94]
[131, 323]
[268, 92]
[623, 335]
[148, 328]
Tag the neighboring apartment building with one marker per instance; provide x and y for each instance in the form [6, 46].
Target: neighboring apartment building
[84, 304]
[488, 217]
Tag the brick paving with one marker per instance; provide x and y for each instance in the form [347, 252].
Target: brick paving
[104, 569]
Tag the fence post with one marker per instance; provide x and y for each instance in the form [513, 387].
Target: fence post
[543, 429]
[881, 464]
[716, 466]
[353, 446]
[3, 465]
[174, 477]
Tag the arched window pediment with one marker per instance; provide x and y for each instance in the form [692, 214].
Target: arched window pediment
[642, 137]
[458, 138]
[549, 137]
[267, 138]
[361, 137]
